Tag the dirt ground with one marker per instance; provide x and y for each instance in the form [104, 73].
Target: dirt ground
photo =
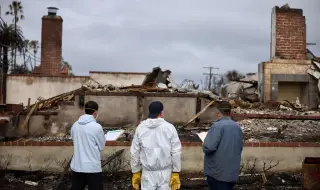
[16, 180]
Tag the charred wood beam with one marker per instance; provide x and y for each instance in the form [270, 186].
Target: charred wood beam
[112, 157]
[250, 82]
[201, 112]
[44, 113]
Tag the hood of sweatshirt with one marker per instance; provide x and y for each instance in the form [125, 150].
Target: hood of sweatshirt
[85, 119]
[152, 123]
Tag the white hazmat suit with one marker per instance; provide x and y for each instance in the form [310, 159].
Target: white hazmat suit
[156, 151]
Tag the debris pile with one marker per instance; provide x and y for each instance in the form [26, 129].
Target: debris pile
[314, 71]
[282, 111]
[244, 102]
[245, 89]
[156, 81]
[158, 78]
[280, 130]
[188, 84]
[93, 86]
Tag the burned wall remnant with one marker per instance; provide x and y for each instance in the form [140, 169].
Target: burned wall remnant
[285, 76]
[51, 43]
[276, 73]
[22, 87]
[118, 109]
[177, 110]
[288, 33]
[118, 78]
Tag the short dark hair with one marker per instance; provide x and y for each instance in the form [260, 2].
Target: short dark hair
[90, 107]
[224, 108]
[155, 109]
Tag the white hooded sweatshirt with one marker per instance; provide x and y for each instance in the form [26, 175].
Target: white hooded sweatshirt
[88, 141]
[156, 147]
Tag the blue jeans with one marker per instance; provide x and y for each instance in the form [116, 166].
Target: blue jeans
[219, 185]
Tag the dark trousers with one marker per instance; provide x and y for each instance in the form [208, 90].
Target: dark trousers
[219, 185]
[81, 180]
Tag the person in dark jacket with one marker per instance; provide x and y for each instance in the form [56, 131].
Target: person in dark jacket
[222, 148]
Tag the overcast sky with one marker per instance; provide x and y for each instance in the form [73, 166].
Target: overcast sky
[180, 35]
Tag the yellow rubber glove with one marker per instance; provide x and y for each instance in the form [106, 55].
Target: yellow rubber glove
[136, 180]
[175, 181]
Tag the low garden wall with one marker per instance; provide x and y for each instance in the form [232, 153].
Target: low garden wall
[283, 156]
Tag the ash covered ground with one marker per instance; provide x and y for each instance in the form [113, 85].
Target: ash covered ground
[281, 130]
[17, 180]
[253, 130]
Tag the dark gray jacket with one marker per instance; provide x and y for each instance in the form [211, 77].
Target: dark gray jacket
[222, 148]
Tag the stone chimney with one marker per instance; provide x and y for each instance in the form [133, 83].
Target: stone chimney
[51, 42]
[288, 33]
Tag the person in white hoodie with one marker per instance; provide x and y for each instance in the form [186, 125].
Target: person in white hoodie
[88, 141]
[155, 153]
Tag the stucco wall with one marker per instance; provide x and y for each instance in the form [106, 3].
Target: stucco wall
[118, 78]
[39, 157]
[47, 124]
[290, 158]
[116, 110]
[210, 114]
[22, 87]
[176, 109]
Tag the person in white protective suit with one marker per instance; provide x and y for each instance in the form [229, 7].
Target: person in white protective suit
[155, 153]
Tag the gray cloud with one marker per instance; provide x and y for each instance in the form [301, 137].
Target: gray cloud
[181, 35]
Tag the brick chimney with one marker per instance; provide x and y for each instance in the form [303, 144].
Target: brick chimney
[288, 33]
[51, 42]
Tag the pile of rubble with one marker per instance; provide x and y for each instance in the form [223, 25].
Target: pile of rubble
[245, 89]
[314, 71]
[280, 130]
[161, 81]
[283, 111]
[155, 81]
